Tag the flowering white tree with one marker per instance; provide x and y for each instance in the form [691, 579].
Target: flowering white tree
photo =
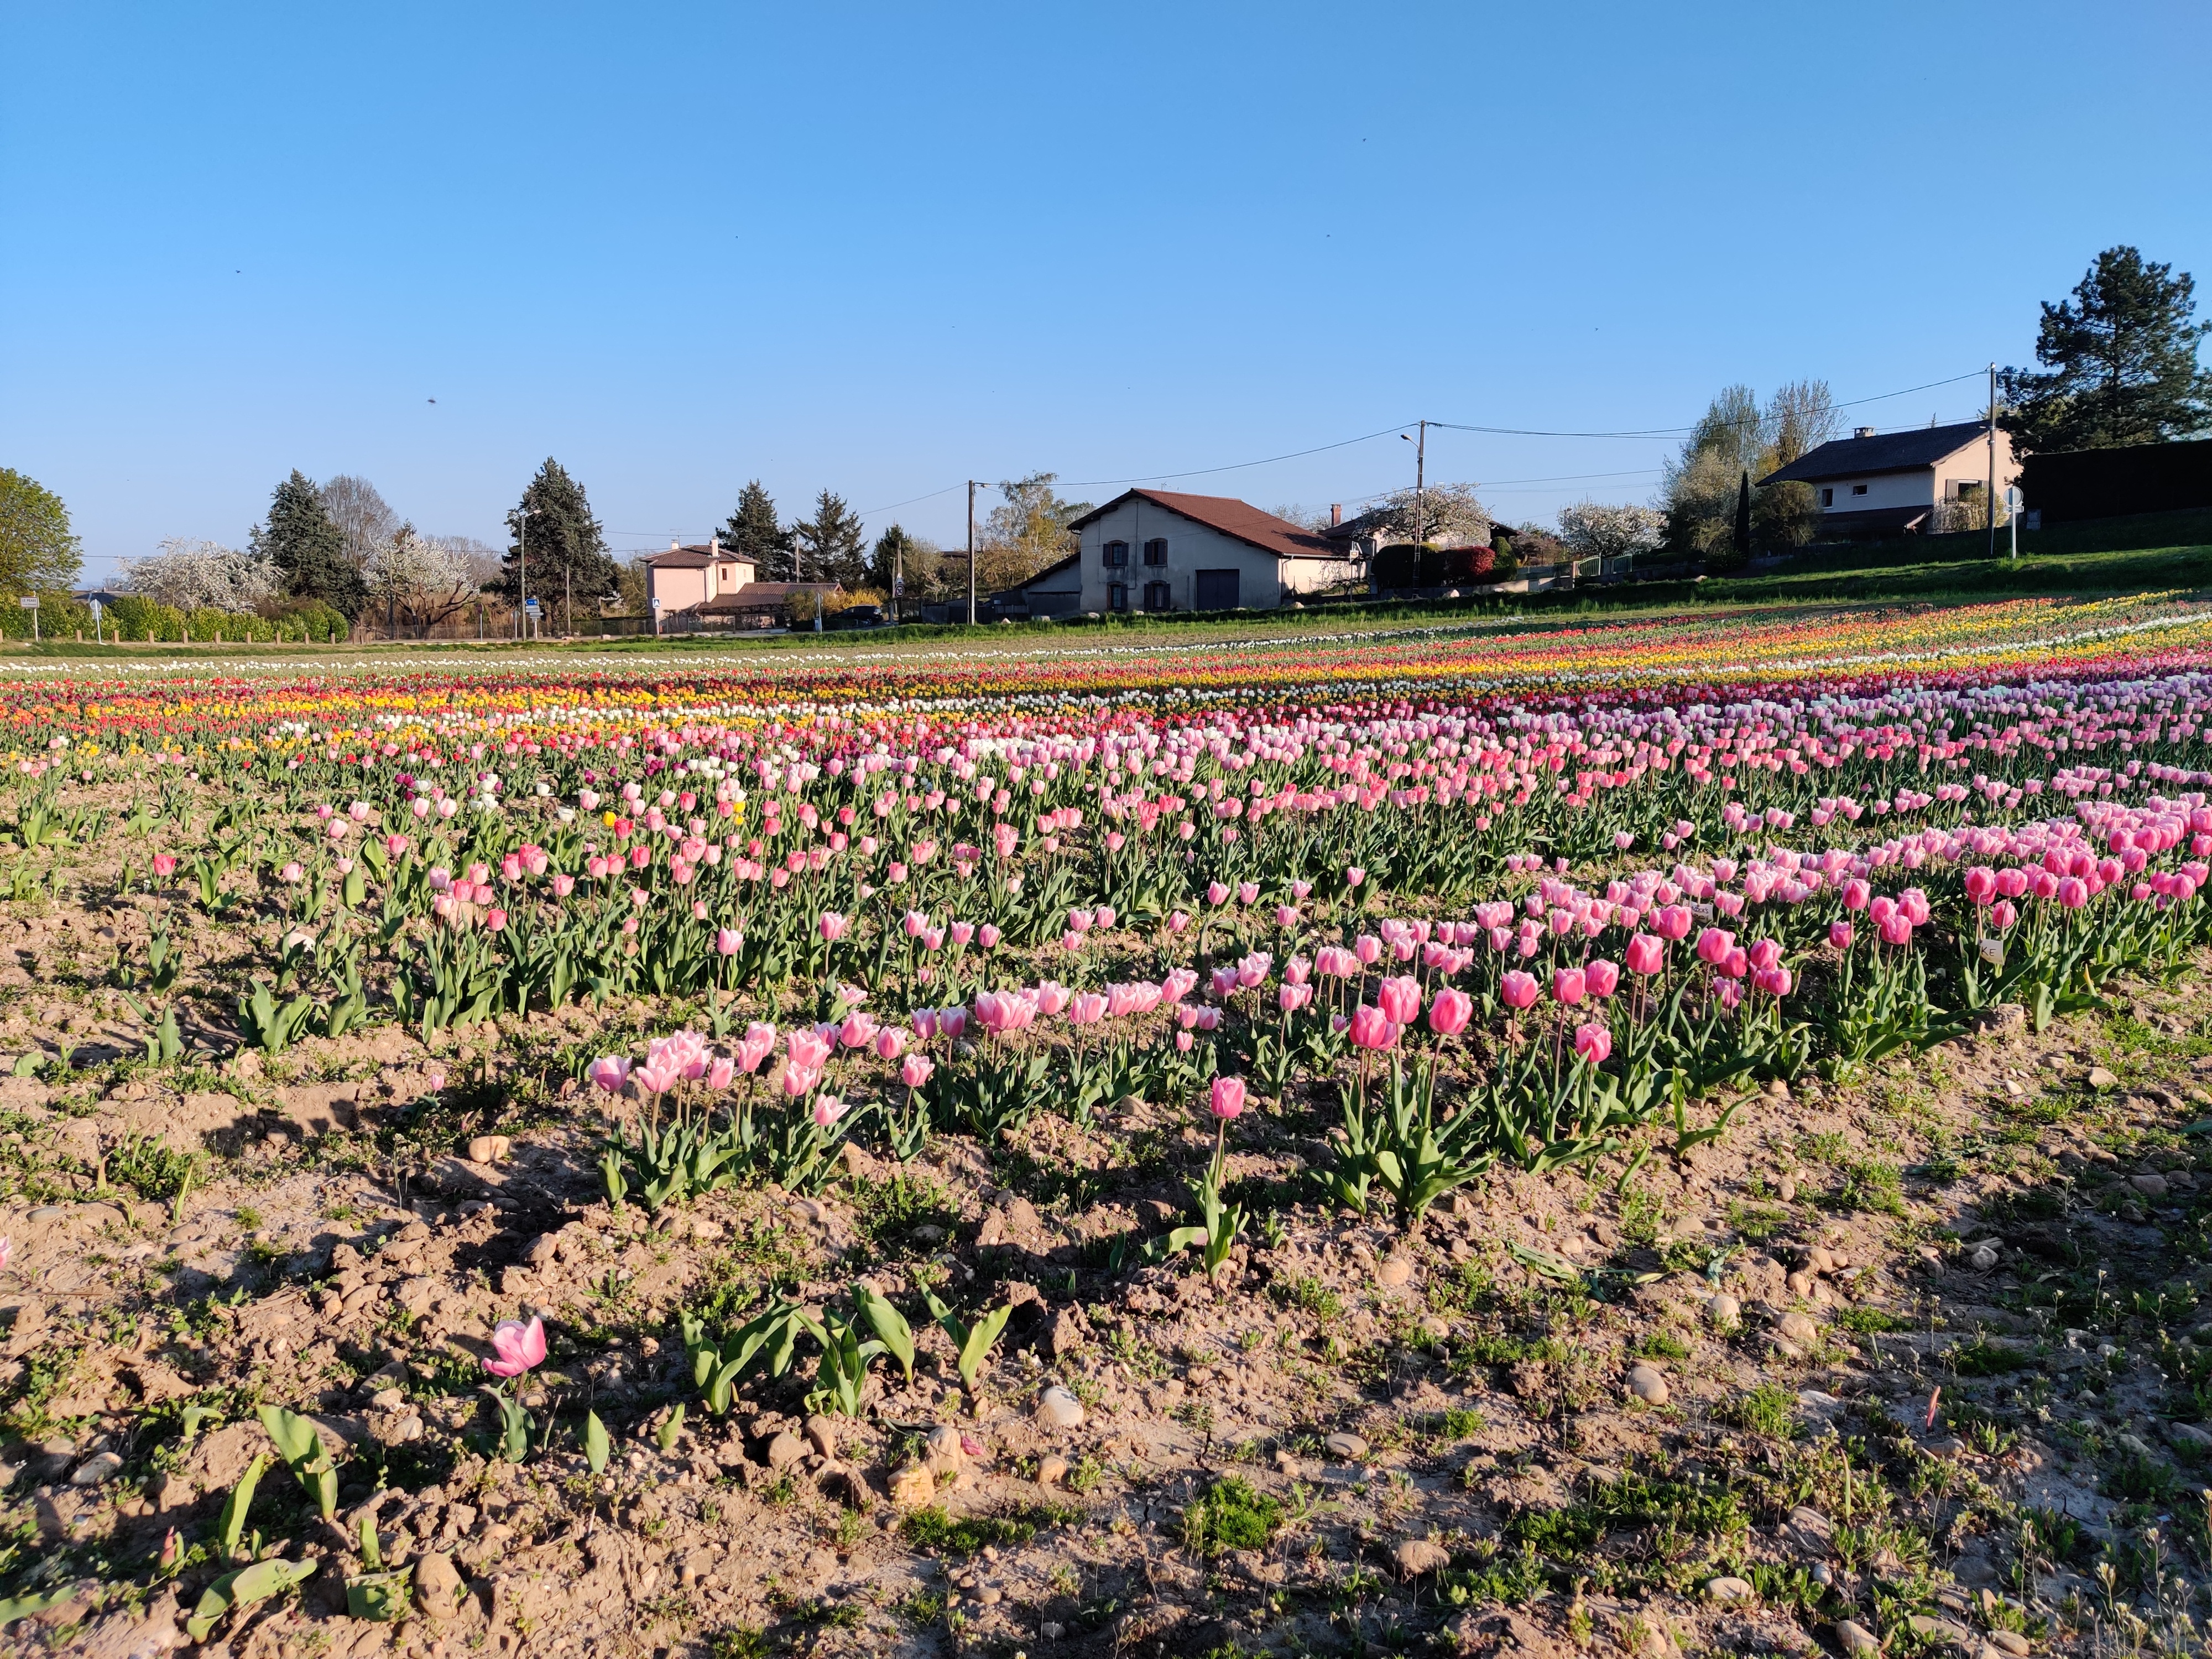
[427, 577]
[1595, 531]
[190, 574]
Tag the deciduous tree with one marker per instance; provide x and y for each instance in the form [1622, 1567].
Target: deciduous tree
[197, 575]
[38, 551]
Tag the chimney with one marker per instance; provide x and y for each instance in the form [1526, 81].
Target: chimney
[1335, 514]
[1863, 432]
[671, 544]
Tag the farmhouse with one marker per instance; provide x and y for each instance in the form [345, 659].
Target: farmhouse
[1152, 550]
[1890, 483]
[685, 578]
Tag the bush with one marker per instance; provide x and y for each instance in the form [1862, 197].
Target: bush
[59, 614]
[1397, 566]
[1445, 567]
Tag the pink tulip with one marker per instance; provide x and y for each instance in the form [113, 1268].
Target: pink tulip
[1217, 892]
[1372, 1029]
[1895, 928]
[165, 865]
[1714, 944]
[1354, 875]
[719, 1071]
[1286, 916]
[952, 1022]
[889, 1043]
[1247, 891]
[1178, 921]
[1593, 1043]
[1766, 954]
[1088, 1008]
[1856, 894]
[1399, 1000]
[1839, 934]
[1226, 1098]
[1449, 1013]
[520, 1347]
[2002, 913]
[610, 1072]
[1367, 949]
[1601, 976]
[987, 936]
[828, 1108]
[1517, 990]
[1672, 921]
[916, 1069]
[2073, 892]
[831, 925]
[1568, 985]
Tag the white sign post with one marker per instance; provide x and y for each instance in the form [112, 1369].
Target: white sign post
[96, 638]
[654, 602]
[30, 603]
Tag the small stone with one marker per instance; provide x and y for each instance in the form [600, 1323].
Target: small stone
[99, 1467]
[1983, 1257]
[1350, 1447]
[2010, 1641]
[1786, 1189]
[1799, 1283]
[1417, 1556]
[1724, 1311]
[822, 1434]
[1052, 1471]
[1057, 1408]
[489, 1149]
[785, 1449]
[1287, 1462]
[2101, 1080]
[2188, 1433]
[1647, 1385]
[1393, 1272]
[437, 1586]
[2149, 1183]
[913, 1486]
[1856, 1640]
[1776, 1089]
[990, 1596]
[1052, 1632]
[1729, 1590]
[943, 1451]
[1798, 1327]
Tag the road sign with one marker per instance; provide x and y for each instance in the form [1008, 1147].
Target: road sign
[654, 602]
[29, 602]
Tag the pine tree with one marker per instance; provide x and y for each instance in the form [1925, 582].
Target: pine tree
[753, 532]
[2121, 357]
[899, 553]
[832, 545]
[565, 559]
[309, 548]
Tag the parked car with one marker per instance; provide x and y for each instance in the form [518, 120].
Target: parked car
[857, 616]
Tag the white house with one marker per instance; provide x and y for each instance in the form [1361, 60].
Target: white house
[1889, 484]
[1151, 550]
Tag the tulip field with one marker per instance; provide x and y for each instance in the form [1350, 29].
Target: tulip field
[1417, 1140]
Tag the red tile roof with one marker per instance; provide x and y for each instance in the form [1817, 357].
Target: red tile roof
[1231, 517]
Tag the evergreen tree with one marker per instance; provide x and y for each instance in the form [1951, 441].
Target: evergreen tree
[308, 546]
[832, 546]
[753, 532]
[2120, 360]
[1743, 516]
[566, 556]
[899, 553]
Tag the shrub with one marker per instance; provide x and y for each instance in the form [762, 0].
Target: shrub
[59, 614]
[1231, 1516]
[1396, 566]
[1444, 566]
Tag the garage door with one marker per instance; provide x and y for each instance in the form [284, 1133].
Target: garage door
[1216, 590]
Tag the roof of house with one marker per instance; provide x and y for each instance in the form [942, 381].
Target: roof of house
[698, 556]
[1058, 567]
[763, 596]
[1239, 520]
[1886, 452]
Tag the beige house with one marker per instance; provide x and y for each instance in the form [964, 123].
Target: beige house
[1890, 483]
[1151, 549]
[686, 578]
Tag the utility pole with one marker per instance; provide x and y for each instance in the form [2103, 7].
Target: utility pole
[971, 552]
[522, 573]
[1420, 483]
[1990, 490]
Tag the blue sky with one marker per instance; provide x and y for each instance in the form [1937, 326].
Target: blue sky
[886, 249]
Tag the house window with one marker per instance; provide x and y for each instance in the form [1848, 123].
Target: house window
[1117, 554]
[1157, 594]
[1828, 498]
[1156, 550]
[1117, 593]
[1858, 489]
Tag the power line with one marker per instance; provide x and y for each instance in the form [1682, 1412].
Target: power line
[1681, 431]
